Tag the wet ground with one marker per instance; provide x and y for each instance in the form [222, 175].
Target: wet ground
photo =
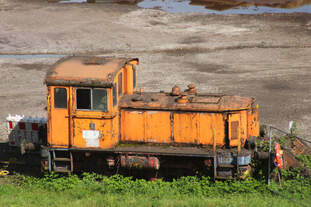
[267, 56]
[215, 6]
[229, 6]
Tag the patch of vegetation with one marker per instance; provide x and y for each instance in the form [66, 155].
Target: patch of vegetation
[305, 160]
[97, 190]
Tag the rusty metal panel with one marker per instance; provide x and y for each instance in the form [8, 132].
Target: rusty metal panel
[208, 122]
[253, 122]
[234, 125]
[193, 102]
[219, 126]
[205, 129]
[133, 126]
[140, 162]
[188, 128]
[146, 126]
[206, 99]
[243, 127]
[238, 128]
[185, 127]
[92, 133]
[158, 127]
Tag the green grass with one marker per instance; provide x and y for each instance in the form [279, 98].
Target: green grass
[96, 190]
[22, 197]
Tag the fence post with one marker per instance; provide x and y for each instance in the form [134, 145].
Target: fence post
[269, 162]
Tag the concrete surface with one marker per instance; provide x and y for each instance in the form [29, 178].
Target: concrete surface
[265, 56]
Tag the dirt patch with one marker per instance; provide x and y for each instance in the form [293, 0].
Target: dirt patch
[155, 23]
[4, 41]
[264, 56]
[30, 66]
[207, 68]
[278, 86]
[183, 51]
[39, 67]
[192, 39]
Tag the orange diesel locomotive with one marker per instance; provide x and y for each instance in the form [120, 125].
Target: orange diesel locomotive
[98, 121]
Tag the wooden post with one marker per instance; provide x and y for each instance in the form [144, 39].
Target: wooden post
[239, 151]
[214, 141]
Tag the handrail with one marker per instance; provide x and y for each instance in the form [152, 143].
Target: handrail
[101, 116]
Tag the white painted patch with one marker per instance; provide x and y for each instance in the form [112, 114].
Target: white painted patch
[91, 137]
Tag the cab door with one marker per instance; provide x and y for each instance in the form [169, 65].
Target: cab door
[93, 123]
[58, 103]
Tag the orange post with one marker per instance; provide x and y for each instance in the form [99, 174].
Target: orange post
[214, 141]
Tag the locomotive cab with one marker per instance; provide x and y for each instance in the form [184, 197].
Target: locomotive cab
[83, 95]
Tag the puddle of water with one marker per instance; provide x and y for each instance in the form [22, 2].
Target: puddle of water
[216, 6]
[72, 1]
[31, 56]
[229, 6]
[99, 1]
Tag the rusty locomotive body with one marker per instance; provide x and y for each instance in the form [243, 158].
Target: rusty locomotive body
[96, 119]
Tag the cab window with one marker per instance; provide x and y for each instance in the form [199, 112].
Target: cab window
[60, 98]
[92, 99]
[83, 98]
[100, 99]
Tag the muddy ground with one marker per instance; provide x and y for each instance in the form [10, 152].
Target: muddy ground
[265, 56]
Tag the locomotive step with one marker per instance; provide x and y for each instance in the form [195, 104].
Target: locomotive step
[62, 159]
[225, 165]
[222, 177]
[61, 169]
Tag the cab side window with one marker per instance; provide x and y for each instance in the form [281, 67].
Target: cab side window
[100, 99]
[60, 98]
[120, 86]
[114, 94]
[95, 99]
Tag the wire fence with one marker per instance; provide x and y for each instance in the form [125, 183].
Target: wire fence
[270, 134]
[290, 134]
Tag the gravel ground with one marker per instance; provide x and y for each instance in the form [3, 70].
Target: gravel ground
[265, 56]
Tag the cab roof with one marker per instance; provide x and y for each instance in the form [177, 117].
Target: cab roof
[92, 71]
